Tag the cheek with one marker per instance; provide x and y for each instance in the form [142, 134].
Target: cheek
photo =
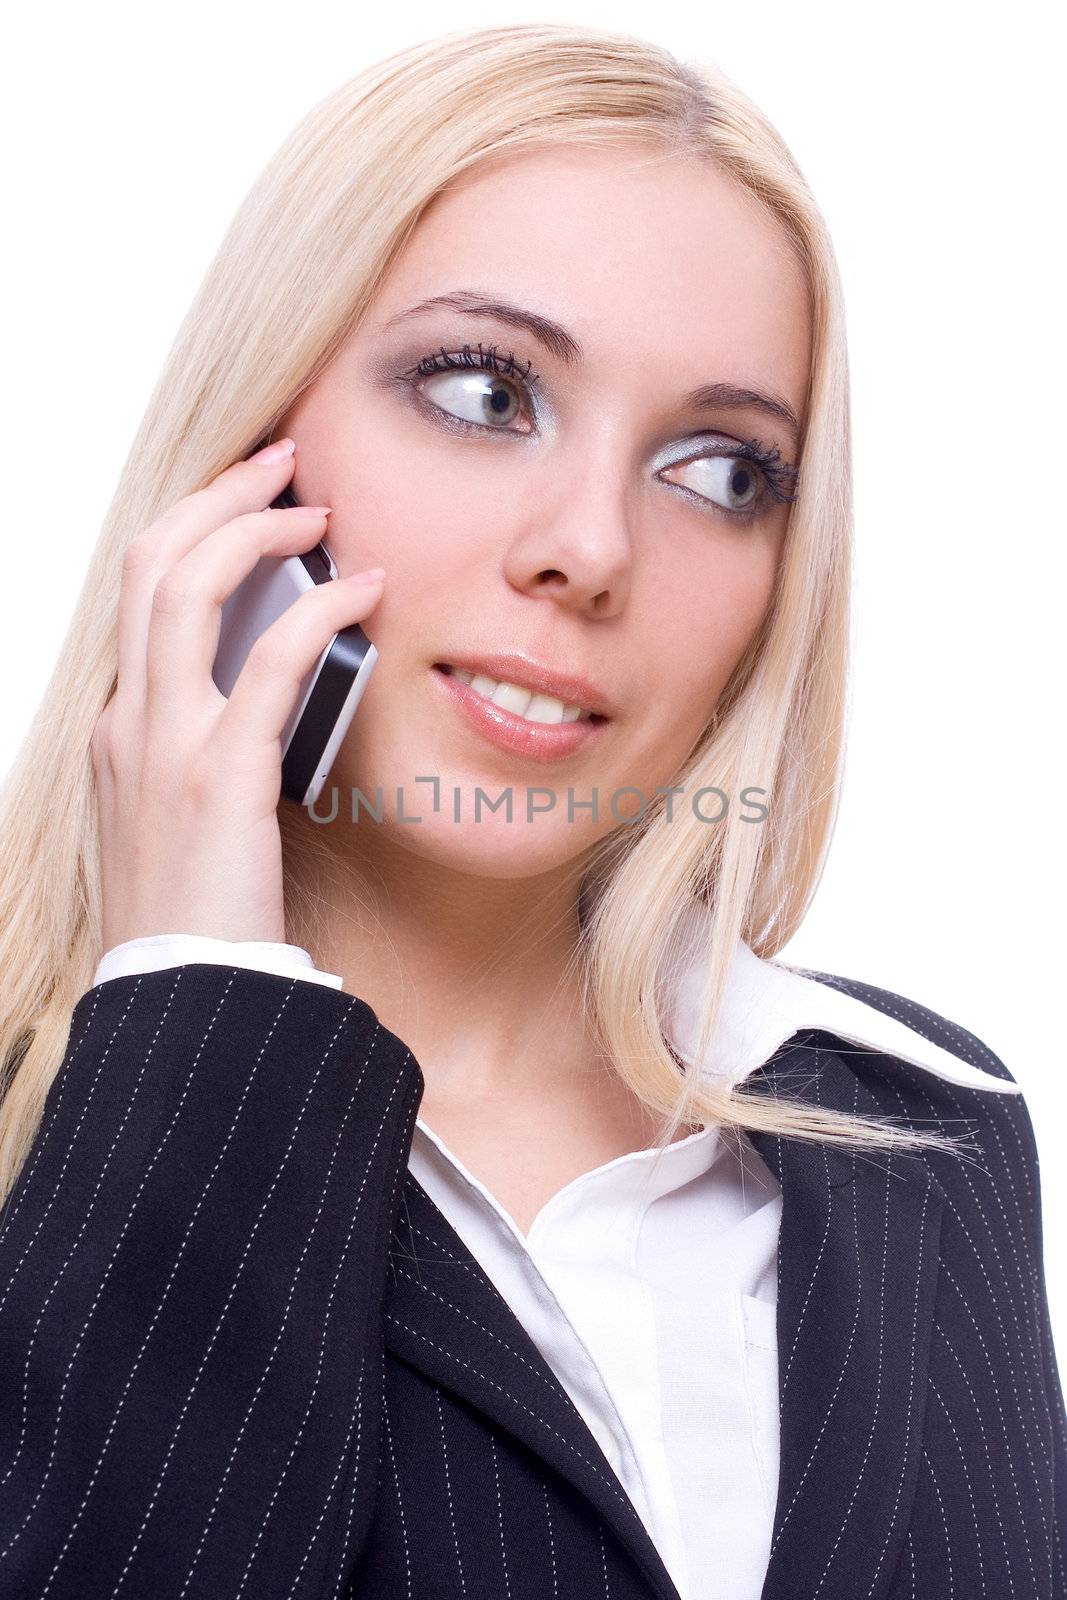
[714, 618]
[394, 509]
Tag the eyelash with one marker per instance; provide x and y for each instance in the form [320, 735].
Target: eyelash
[488, 356]
[780, 479]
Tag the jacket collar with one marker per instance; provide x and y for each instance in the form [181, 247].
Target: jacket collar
[766, 1003]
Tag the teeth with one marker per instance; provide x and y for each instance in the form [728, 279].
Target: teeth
[522, 702]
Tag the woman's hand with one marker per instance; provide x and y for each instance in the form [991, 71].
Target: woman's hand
[188, 781]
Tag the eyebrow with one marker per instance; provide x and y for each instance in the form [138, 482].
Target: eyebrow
[566, 348]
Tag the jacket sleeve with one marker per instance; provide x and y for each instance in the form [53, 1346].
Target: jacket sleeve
[192, 1271]
[1057, 1555]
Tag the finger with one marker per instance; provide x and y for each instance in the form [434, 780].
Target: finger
[265, 693]
[186, 605]
[245, 486]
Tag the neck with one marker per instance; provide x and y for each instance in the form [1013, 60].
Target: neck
[476, 974]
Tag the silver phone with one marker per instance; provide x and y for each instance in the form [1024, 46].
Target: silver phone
[329, 693]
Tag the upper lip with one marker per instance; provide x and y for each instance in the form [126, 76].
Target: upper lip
[512, 667]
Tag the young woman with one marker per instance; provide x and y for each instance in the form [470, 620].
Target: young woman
[443, 1196]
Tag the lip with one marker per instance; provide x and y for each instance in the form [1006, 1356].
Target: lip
[511, 667]
[533, 741]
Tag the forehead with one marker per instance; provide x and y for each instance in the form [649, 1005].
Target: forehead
[665, 257]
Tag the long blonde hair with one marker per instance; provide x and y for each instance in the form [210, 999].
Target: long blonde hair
[292, 279]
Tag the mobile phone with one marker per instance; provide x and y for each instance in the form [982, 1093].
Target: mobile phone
[329, 694]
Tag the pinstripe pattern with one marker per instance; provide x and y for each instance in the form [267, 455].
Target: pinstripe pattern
[989, 1510]
[244, 1354]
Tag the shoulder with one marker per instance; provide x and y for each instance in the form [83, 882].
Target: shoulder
[999, 1149]
[992, 1295]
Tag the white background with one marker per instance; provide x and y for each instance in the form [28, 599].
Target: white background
[931, 137]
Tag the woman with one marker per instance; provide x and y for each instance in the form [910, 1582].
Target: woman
[417, 1199]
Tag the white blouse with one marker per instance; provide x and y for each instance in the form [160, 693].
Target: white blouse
[649, 1284]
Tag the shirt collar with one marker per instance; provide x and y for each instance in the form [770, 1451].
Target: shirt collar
[766, 1002]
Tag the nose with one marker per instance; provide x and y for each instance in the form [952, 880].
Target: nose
[579, 550]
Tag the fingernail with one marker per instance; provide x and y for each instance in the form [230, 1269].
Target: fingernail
[275, 451]
[371, 575]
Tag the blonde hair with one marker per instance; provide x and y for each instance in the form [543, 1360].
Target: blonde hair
[293, 277]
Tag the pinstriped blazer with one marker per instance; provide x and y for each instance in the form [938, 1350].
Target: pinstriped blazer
[242, 1353]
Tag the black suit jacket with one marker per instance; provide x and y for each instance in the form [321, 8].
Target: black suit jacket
[242, 1353]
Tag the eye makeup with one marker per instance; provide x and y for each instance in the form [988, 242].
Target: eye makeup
[778, 479]
[781, 478]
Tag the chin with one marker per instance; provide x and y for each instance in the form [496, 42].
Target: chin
[490, 848]
[484, 845]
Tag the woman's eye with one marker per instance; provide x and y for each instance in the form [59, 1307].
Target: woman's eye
[481, 397]
[469, 395]
[730, 482]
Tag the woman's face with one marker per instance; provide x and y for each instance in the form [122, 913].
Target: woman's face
[555, 491]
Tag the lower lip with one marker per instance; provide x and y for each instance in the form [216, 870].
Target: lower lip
[538, 741]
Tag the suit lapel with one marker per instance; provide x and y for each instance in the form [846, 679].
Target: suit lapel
[858, 1268]
[858, 1264]
[446, 1318]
